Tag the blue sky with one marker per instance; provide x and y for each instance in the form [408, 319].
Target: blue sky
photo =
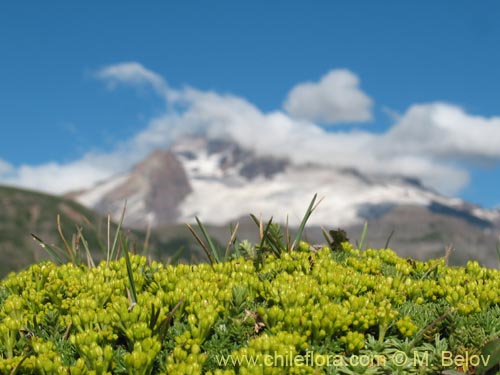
[405, 63]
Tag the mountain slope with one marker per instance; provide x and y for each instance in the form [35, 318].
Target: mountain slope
[421, 233]
[23, 212]
[152, 190]
[221, 182]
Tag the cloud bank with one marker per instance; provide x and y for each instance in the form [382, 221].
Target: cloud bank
[335, 98]
[429, 141]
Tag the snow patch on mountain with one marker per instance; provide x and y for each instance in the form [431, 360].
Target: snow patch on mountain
[92, 197]
[288, 193]
[219, 181]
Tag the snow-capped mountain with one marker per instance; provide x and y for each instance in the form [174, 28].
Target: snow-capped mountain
[152, 190]
[219, 181]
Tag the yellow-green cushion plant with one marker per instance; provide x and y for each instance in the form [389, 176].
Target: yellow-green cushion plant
[236, 317]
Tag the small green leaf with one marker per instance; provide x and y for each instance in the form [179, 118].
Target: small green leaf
[491, 356]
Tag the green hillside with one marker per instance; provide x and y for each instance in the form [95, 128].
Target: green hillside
[23, 212]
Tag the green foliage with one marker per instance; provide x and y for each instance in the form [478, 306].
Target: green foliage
[273, 307]
[361, 244]
[272, 240]
[315, 306]
[492, 350]
[303, 223]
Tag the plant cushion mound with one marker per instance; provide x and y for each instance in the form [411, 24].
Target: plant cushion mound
[296, 312]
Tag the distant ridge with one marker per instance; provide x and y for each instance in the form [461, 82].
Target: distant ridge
[222, 182]
[24, 212]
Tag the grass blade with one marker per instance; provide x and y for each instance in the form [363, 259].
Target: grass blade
[308, 213]
[433, 268]
[70, 251]
[154, 317]
[210, 256]
[90, 261]
[145, 246]
[362, 241]
[108, 234]
[264, 233]
[287, 235]
[447, 253]
[212, 247]
[18, 366]
[328, 238]
[133, 294]
[231, 241]
[53, 251]
[258, 223]
[418, 336]
[260, 250]
[274, 242]
[113, 251]
[75, 244]
[236, 244]
[97, 230]
[389, 239]
[162, 328]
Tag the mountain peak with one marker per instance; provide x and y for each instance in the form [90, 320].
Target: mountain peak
[221, 157]
[220, 181]
[158, 161]
[152, 190]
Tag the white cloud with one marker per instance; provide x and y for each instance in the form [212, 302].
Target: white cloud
[135, 74]
[5, 167]
[61, 178]
[302, 141]
[56, 178]
[446, 131]
[428, 141]
[335, 98]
